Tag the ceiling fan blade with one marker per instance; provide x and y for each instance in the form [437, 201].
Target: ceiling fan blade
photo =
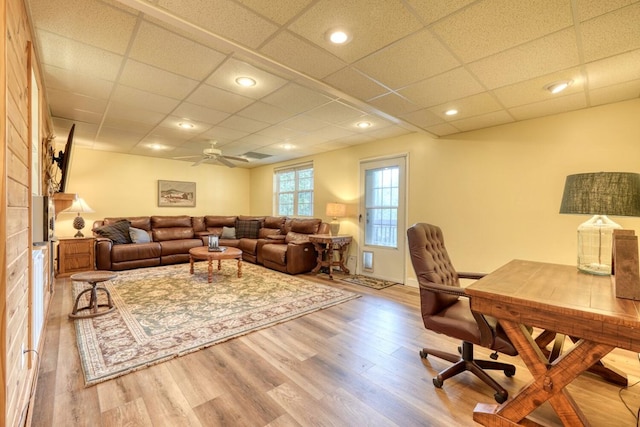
[225, 162]
[184, 157]
[239, 159]
[199, 161]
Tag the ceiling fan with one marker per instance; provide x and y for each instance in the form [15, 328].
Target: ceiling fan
[213, 154]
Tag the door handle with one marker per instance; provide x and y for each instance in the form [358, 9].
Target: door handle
[360, 218]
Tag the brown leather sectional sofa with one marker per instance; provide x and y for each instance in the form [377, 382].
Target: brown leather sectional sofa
[279, 243]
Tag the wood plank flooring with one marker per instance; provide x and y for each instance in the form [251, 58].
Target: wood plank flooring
[354, 364]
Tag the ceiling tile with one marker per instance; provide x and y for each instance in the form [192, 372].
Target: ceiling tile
[409, 60]
[224, 134]
[296, 99]
[141, 99]
[198, 113]
[243, 124]
[225, 78]
[394, 104]
[218, 99]
[279, 11]
[615, 93]
[72, 81]
[443, 129]
[557, 51]
[475, 105]
[490, 26]
[301, 55]
[280, 132]
[483, 121]
[626, 66]
[453, 84]
[303, 124]
[552, 106]
[95, 23]
[433, 10]
[533, 90]
[154, 80]
[138, 115]
[357, 84]
[225, 18]
[156, 46]
[587, 9]
[335, 112]
[83, 59]
[267, 113]
[79, 102]
[613, 33]
[423, 118]
[391, 20]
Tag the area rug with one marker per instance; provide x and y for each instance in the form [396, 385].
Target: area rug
[164, 312]
[370, 282]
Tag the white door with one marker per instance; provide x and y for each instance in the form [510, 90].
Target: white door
[382, 219]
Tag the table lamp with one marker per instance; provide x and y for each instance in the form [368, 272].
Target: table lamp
[599, 194]
[336, 210]
[78, 206]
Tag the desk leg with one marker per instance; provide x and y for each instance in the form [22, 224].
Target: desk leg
[549, 381]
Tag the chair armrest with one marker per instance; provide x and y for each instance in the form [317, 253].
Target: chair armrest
[276, 238]
[442, 289]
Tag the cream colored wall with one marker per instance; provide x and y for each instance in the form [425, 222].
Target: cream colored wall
[495, 192]
[127, 185]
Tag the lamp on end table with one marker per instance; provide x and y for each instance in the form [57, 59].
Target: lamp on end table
[336, 210]
[600, 194]
[79, 206]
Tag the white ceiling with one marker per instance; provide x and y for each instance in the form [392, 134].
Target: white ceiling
[128, 71]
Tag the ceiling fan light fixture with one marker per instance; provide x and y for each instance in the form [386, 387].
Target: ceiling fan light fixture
[558, 87]
[337, 36]
[245, 81]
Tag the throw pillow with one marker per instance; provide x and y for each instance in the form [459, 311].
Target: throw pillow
[139, 236]
[228, 233]
[118, 232]
[247, 229]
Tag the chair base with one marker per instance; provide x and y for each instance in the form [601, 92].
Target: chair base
[466, 362]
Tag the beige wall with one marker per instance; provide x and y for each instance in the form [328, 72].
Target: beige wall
[495, 192]
[127, 185]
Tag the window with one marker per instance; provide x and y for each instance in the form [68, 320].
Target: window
[381, 204]
[294, 190]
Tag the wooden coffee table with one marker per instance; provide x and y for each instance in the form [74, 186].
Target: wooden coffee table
[203, 253]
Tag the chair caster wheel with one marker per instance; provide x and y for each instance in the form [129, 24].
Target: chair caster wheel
[437, 382]
[510, 372]
[423, 354]
[501, 397]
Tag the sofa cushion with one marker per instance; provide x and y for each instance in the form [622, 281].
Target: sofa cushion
[292, 236]
[274, 222]
[248, 245]
[138, 235]
[228, 233]
[118, 232]
[247, 229]
[123, 253]
[141, 222]
[170, 221]
[177, 247]
[220, 221]
[264, 232]
[172, 233]
[275, 253]
[306, 226]
[198, 223]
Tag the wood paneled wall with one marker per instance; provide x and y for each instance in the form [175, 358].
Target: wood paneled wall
[18, 372]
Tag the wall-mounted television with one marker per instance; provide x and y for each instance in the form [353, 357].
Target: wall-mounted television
[64, 161]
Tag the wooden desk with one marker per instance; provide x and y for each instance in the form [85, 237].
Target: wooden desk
[557, 298]
[328, 243]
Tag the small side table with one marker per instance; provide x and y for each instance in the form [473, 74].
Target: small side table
[326, 243]
[93, 278]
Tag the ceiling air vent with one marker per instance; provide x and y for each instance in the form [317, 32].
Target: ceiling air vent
[254, 155]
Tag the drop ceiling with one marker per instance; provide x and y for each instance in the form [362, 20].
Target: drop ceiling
[127, 72]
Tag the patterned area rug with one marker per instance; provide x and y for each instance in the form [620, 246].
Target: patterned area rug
[164, 312]
[370, 282]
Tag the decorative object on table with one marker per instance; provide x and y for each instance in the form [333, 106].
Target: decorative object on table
[370, 282]
[213, 243]
[625, 270]
[336, 210]
[176, 193]
[164, 312]
[79, 206]
[600, 194]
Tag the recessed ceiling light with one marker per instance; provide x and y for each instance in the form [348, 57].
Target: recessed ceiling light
[558, 87]
[338, 37]
[155, 146]
[186, 125]
[363, 125]
[451, 112]
[288, 146]
[245, 81]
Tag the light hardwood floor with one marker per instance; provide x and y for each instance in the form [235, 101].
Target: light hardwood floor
[354, 364]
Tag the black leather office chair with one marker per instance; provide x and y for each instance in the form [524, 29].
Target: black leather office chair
[445, 309]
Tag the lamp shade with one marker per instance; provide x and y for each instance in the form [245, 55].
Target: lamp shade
[336, 210]
[79, 206]
[602, 193]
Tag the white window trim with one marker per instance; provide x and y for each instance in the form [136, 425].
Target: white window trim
[291, 168]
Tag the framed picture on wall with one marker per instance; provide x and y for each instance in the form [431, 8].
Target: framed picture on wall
[176, 193]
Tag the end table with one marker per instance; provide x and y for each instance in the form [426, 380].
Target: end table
[326, 243]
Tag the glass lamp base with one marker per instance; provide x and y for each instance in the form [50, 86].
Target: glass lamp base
[595, 241]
